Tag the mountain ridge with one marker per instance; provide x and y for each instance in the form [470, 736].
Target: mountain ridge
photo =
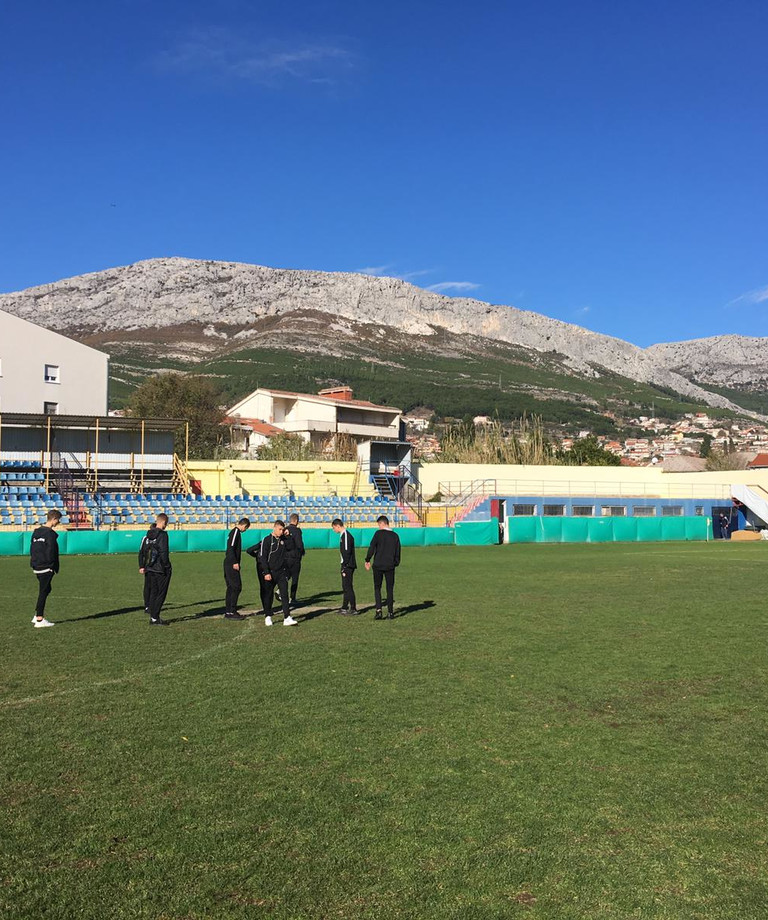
[204, 307]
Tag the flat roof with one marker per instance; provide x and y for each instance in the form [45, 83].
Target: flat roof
[115, 422]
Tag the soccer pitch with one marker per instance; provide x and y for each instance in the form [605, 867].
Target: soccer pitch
[544, 732]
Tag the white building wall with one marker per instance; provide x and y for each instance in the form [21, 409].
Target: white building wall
[26, 349]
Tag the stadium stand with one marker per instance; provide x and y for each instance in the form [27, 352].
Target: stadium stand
[24, 501]
[119, 509]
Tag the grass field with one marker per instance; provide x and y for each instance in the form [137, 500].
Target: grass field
[544, 732]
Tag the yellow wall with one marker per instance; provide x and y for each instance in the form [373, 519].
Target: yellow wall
[263, 477]
[586, 480]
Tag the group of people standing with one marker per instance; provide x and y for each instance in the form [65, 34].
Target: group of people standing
[278, 567]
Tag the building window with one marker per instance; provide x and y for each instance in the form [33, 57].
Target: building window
[524, 509]
[699, 510]
[52, 373]
[554, 510]
[50, 408]
[614, 511]
[583, 510]
[672, 511]
[644, 511]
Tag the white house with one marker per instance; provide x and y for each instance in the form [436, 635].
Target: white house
[318, 417]
[43, 372]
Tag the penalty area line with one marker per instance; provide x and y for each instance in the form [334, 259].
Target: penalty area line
[126, 679]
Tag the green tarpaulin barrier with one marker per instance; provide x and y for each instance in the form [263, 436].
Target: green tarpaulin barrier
[86, 541]
[202, 541]
[625, 529]
[14, 544]
[575, 529]
[125, 541]
[523, 530]
[438, 536]
[605, 530]
[533, 529]
[599, 530]
[477, 533]
[319, 538]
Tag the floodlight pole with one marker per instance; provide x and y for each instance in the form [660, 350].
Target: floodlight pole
[186, 443]
[48, 456]
[142, 456]
[96, 460]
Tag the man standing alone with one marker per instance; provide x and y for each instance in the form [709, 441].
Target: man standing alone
[155, 562]
[44, 559]
[232, 568]
[295, 546]
[348, 566]
[385, 552]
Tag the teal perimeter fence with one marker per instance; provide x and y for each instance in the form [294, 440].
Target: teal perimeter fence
[471, 533]
[608, 529]
[76, 542]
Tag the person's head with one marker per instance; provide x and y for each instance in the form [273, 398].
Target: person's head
[294, 518]
[383, 521]
[53, 519]
[243, 524]
[337, 524]
[161, 521]
[278, 528]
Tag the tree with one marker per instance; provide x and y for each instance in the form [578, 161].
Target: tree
[286, 447]
[706, 446]
[587, 452]
[188, 397]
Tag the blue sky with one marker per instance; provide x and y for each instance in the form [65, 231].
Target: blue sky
[600, 162]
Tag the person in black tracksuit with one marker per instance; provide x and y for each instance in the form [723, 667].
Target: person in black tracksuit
[272, 568]
[348, 566]
[385, 552]
[295, 553]
[44, 559]
[232, 568]
[155, 564]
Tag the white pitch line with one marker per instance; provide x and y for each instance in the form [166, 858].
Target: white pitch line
[53, 694]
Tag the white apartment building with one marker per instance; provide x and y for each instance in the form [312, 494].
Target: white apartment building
[43, 372]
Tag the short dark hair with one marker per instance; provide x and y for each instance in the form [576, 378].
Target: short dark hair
[163, 517]
[382, 518]
[245, 521]
[279, 523]
[54, 515]
[295, 517]
[337, 522]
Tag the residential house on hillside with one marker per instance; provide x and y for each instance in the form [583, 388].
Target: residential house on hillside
[318, 418]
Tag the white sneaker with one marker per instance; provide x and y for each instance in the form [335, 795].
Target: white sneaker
[267, 621]
[289, 621]
[39, 624]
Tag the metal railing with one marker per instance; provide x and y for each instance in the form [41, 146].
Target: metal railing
[463, 491]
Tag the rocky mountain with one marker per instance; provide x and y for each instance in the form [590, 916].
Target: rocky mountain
[735, 361]
[194, 310]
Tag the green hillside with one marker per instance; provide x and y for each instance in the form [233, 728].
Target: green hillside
[504, 380]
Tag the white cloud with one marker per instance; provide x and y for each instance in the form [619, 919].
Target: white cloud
[224, 54]
[758, 295]
[582, 311]
[458, 286]
[375, 270]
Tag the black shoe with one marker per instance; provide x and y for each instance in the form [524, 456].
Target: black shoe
[233, 616]
[391, 615]
[158, 622]
[354, 613]
[378, 615]
[347, 613]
